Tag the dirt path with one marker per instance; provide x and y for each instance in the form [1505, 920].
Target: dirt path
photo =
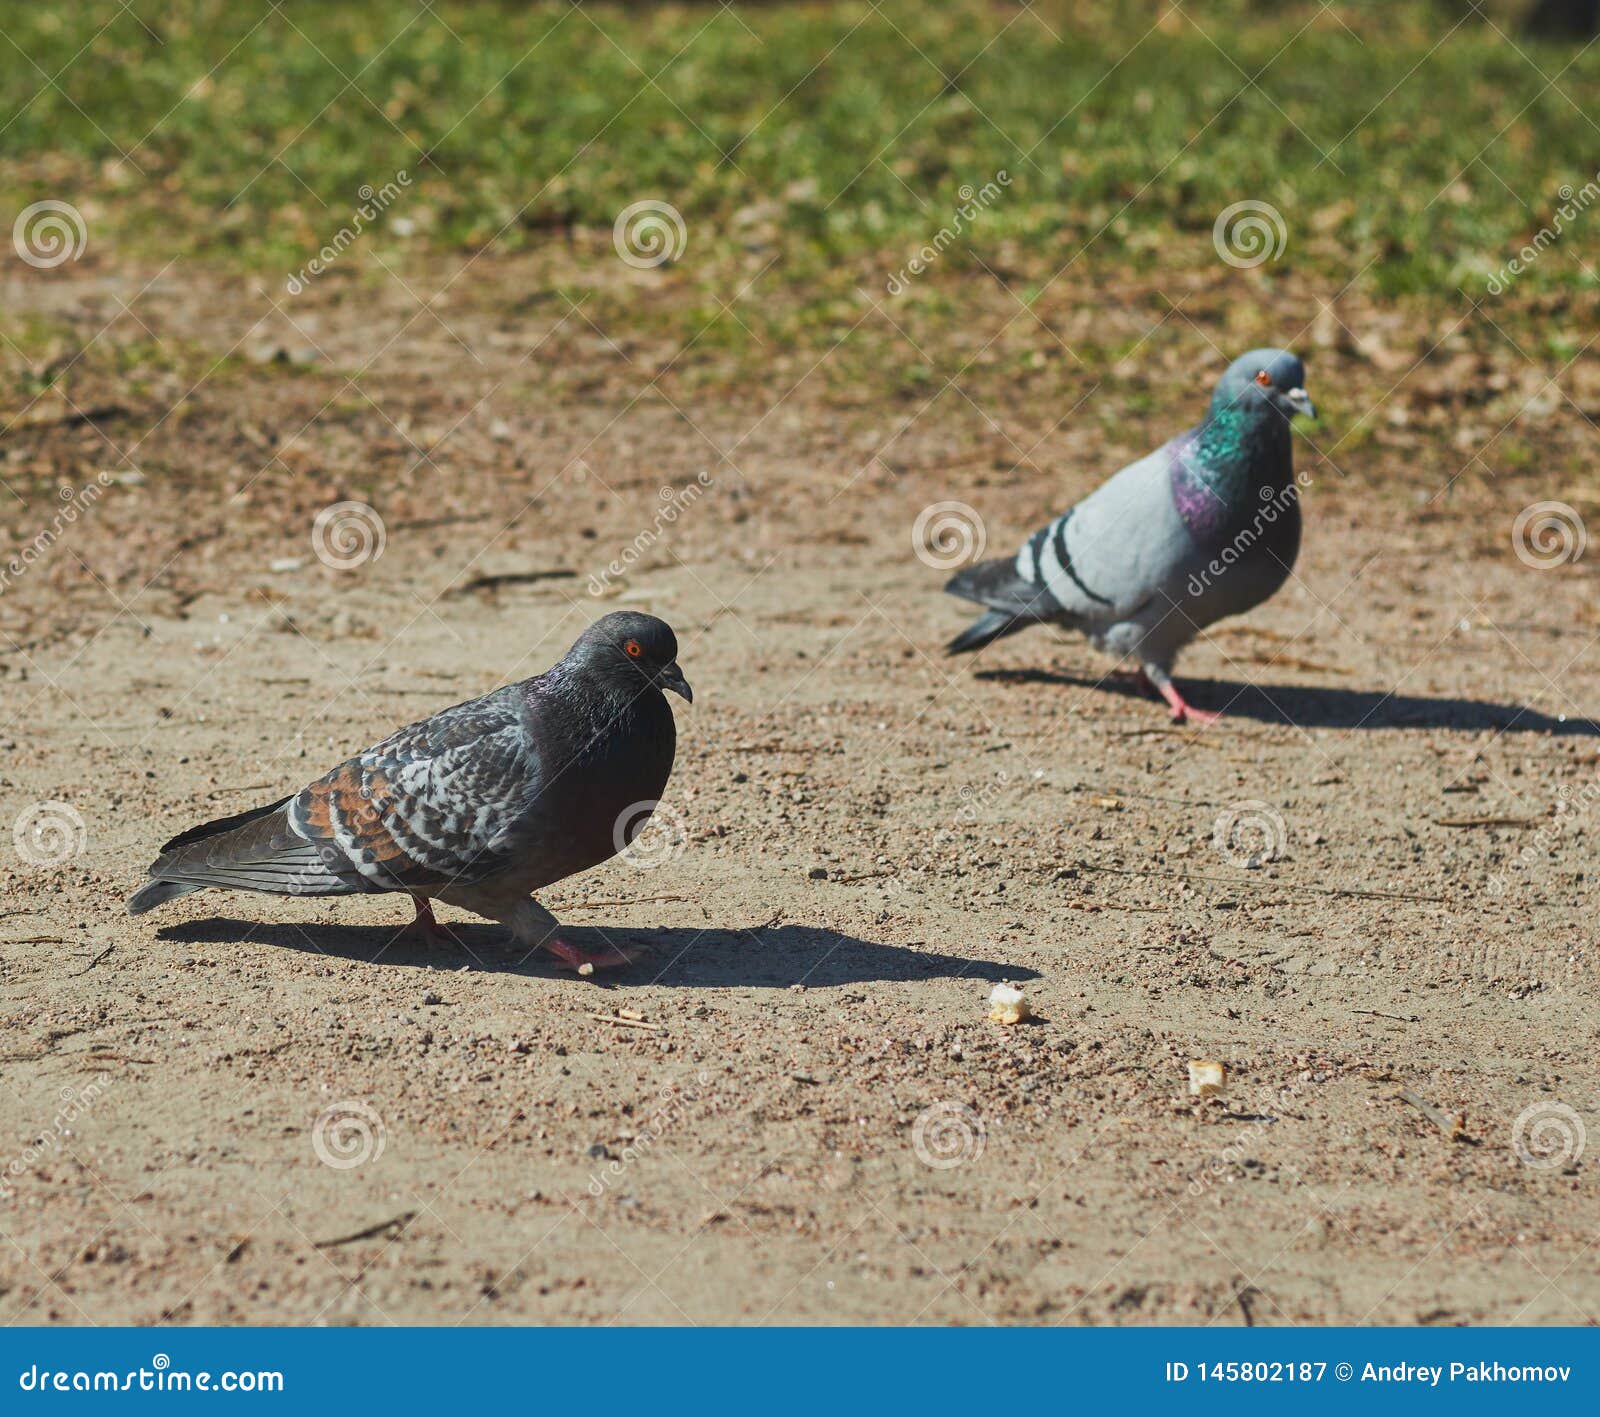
[253, 1110]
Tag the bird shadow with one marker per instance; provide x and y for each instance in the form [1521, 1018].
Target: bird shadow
[1324, 706]
[762, 957]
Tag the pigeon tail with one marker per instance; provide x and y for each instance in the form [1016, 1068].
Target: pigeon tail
[255, 850]
[986, 629]
[155, 893]
[222, 824]
[1013, 602]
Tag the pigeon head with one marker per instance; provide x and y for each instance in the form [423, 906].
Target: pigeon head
[1264, 379]
[626, 646]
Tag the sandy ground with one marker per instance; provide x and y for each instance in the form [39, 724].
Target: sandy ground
[252, 1110]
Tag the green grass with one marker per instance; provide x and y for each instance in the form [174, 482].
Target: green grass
[824, 143]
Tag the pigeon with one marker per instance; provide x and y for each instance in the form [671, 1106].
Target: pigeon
[1205, 527]
[478, 806]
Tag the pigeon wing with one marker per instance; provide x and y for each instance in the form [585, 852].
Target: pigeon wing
[1103, 560]
[441, 802]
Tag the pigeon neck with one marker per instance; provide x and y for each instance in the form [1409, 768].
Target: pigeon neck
[598, 706]
[1227, 462]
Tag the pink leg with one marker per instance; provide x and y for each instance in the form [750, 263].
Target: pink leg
[1181, 710]
[436, 933]
[585, 962]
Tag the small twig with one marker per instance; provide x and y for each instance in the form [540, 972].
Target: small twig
[1379, 1013]
[1452, 1124]
[1192, 735]
[1144, 796]
[493, 583]
[91, 964]
[1342, 891]
[99, 413]
[864, 876]
[396, 1223]
[638, 900]
[1486, 821]
[428, 523]
[1093, 905]
[628, 1022]
[1242, 1297]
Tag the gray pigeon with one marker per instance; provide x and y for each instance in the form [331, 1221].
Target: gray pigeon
[1205, 527]
[478, 806]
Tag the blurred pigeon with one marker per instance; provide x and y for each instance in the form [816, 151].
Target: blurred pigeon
[478, 806]
[1205, 527]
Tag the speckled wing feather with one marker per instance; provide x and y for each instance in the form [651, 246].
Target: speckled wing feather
[442, 802]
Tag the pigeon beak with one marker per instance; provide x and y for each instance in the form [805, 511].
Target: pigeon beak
[1300, 402]
[672, 678]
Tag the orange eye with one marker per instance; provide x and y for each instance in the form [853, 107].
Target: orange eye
[1263, 378]
[634, 649]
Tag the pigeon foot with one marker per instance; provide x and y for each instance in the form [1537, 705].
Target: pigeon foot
[432, 930]
[1182, 710]
[585, 962]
